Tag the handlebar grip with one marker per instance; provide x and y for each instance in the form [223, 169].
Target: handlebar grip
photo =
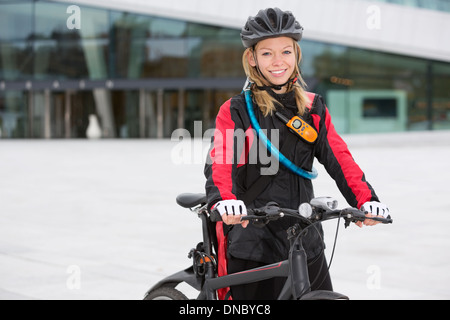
[357, 215]
[383, 220]
[250, 217]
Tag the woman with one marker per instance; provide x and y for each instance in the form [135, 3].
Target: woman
[271, 62]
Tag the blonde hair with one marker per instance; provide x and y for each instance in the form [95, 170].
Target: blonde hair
[262, 98]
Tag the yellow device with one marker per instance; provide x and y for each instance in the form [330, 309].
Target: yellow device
[298, 126]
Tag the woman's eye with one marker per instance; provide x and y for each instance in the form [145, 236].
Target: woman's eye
[287, 52]
[266, 53]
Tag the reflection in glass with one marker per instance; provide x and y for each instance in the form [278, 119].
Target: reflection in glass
[37, 45]
[16, 31]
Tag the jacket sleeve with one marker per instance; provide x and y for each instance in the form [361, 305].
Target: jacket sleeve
[220, 165]
[333, 153]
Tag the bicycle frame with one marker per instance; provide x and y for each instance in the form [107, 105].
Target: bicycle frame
[294, 269]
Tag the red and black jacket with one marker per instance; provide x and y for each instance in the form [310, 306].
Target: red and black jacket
[232, 168]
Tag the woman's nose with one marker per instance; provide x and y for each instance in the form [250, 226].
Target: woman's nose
[277, 60]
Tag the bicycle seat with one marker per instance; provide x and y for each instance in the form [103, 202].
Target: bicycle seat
[190, 200]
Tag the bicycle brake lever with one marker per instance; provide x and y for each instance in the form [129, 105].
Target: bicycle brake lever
[352, 215]
[272, 208]
[262, 216]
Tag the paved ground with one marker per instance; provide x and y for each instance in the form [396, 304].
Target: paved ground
[98, 219]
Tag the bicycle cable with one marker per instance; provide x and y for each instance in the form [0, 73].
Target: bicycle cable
[273, 150]
[318, 256]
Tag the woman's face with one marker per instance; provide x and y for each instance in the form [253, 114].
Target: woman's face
[276, 59]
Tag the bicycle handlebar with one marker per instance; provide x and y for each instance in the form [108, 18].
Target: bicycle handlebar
[273, 212]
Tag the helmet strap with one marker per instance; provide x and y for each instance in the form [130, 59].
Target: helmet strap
[277, 87]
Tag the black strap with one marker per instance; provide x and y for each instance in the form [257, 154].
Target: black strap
[262, 182]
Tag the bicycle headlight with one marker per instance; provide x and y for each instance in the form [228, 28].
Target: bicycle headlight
[325, 203]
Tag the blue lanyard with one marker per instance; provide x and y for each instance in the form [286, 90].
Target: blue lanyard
[273, 150]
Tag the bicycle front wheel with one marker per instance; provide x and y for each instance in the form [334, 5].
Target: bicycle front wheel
[165, 293]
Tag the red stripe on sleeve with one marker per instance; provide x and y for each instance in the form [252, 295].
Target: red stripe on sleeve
[352, 172]
[222, 152]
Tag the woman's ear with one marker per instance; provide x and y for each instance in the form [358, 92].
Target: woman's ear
[251, 58]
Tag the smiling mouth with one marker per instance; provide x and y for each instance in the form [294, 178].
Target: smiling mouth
[277, 72]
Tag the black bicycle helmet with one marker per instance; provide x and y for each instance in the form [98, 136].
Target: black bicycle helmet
[270, 23]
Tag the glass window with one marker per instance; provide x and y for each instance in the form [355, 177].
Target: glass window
[125, 107]
[58, 49]
[376, 83]
[148, 47]
[441, 95]
[324, 67]
[94, 34]
[214, 51]
[380, 108]
[15, 21]
[370, 70]
[13, 114]
[165, 58]
[70, 43]
[128, 33]
[217, 58]
[16, 32]
[440, 5]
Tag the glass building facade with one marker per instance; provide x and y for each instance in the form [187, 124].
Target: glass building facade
[145, 76]
[438, 5]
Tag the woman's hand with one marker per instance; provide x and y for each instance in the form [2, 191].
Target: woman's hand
[373, 209]
[232, 211]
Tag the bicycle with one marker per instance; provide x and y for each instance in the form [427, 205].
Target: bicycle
[202, 275]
